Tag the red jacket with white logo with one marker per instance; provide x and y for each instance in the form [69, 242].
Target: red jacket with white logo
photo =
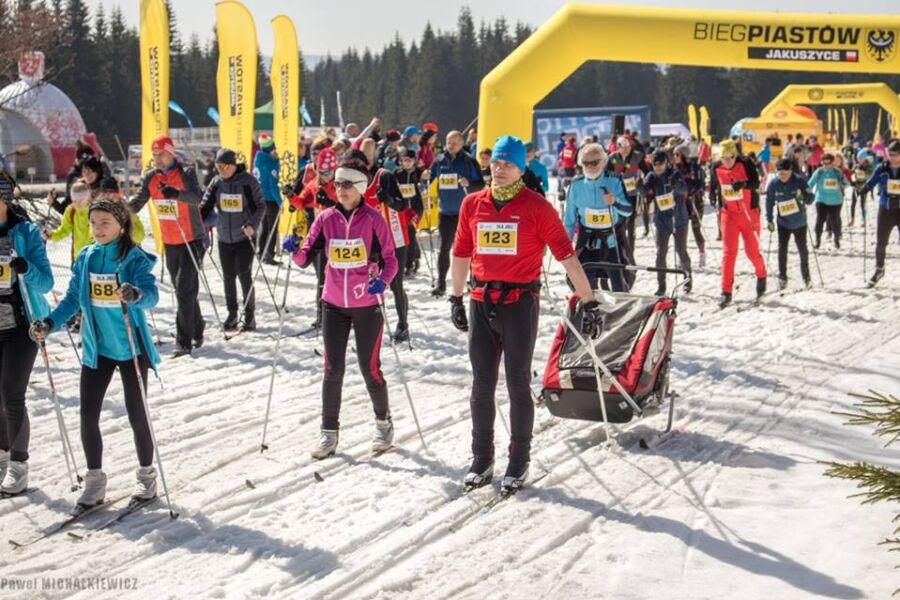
[507, 245]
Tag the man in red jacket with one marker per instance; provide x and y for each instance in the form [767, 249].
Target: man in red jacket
[733, 180]
[502, 235]
[175, 193]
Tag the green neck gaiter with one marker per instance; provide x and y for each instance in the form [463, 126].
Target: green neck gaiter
[506, 193]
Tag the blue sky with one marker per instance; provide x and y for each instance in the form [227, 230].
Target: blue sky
[334, 25]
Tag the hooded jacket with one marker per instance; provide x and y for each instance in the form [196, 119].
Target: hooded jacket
[239, 203]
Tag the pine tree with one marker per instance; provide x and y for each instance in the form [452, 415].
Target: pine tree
[879, 483]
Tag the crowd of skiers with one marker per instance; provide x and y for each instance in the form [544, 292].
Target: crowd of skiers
[358, 202]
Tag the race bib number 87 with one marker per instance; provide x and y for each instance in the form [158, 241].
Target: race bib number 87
[103, 290]
[597, 219]
[347, 254]
[498, 238]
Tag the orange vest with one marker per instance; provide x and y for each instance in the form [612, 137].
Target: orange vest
[175, 212]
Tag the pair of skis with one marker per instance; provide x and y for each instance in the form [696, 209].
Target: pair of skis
[81, 512]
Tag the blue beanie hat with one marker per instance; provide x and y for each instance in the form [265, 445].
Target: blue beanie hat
[511, 149]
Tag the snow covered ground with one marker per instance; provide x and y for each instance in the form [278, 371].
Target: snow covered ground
[733, 505]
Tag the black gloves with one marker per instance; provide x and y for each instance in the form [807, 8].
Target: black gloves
[130, 294]
[169, 192]
[287, 191]
[738, 185]
[19, 265]
[323, 199]
[591, 320]
[458, 313]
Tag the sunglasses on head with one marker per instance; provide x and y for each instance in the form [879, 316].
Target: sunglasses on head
[344, 185]
[591, 163]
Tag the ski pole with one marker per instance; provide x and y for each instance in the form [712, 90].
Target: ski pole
[129, 332]
[200, 273]
[400, 371]
[68, 453]
[68, 331]
[259, 270]
[865, 243]
[816, 257]
[275, 354]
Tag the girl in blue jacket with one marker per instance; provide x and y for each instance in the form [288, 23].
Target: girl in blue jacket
[828, 183]
[111, 273]
[25, 277]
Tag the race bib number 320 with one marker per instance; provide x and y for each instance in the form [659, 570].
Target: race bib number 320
[103, 290]
[166, 210]
[498, 238]
[347, 254]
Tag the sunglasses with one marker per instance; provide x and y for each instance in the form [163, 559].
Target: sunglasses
[591, 163]
[345, 185]
[325, 173]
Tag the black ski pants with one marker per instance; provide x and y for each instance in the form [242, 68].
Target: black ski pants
[17, 354]
[784, 236]
[94, 383]
[512, 334]
[447, 228]
[368, 326]
[237, 264]
[887, 220]
[189, 323]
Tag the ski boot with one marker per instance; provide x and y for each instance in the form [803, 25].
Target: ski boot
[15, 480]
[702, 260]
[327, 444]
[808, 283]
[401, 334]
[145, 483]
[384, 435]
[760, 287]
[514, 480]
[876, 277]
[94, 492]
[689, 284]
[660, 291]
[782, 284]
[231, 321]
[439, 290]
[481, 472]
[725, 300]
[181, 351]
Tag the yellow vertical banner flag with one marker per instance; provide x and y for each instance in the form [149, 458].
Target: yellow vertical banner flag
[846, 136]
[704, 131]
[692, 120]
[877, 126]
[236, 77]
[154, 48]
[854, 120]
[285, 78]
[830, 121]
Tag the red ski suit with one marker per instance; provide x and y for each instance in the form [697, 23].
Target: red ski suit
[737, 217]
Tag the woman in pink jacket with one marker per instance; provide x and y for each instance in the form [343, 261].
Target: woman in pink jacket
[361, 265]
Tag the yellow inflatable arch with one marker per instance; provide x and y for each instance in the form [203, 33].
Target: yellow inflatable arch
[858, 93]
[581, 32]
